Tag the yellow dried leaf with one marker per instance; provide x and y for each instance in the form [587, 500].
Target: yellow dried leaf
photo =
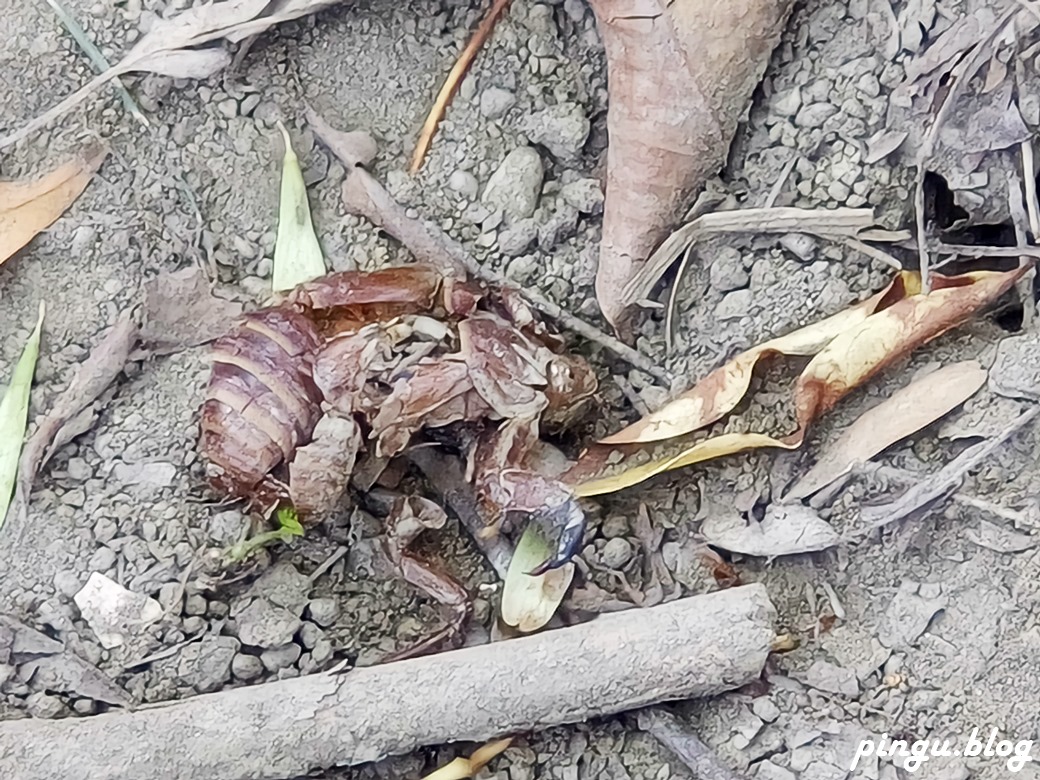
[850, 350]
[27, 207]
[461, 768]
[718, 393]
[530, 601]
[297, 254]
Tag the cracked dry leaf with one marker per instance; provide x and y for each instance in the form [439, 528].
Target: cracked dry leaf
[849, 352]
[905, 412]
[297, 254]
[27, 207]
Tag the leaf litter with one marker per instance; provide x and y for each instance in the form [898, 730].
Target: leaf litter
[297, 253]
[905, 412]
[849, 348]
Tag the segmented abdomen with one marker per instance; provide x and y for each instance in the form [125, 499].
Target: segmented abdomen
[261, 402]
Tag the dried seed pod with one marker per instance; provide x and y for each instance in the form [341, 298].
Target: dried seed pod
[261, 402]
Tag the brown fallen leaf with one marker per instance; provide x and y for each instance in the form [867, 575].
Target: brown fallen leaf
[27, 207]
[320, 470]
[96, 373]
[920, 403]
[181, 311]
[679, 76]
[718, 393]
[848, 355]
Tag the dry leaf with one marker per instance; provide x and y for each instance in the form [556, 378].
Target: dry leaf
[920, 403]
[461, 768]
[680, 76]
[27, 207]
[852, 347]
[94, 374]
[181, 311]
[784, 530]
[717, 394]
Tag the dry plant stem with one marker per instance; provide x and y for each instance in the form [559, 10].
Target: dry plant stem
[968, 68]
[942, 482]
[452, 82]
[687, 746]
[907, 478]
[445, 475]
[364, 195]
[693, 647]
[838, 223]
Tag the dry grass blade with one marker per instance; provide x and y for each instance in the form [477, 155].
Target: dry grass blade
[830, 223]
[452, 82]
[27, 207]
[14, 413]
[297, 254]
[907, 411]
[95, 56]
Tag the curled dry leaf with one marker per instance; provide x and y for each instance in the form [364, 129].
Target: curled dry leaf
[320, 470]
[461, 768]
[680, 75]
[75, 403]
[180, 311]
[920, 403]
[27, 207]
[850, 348]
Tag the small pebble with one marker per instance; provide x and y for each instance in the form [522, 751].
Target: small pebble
[323, 611]
[464, 183]
[195, 604]
[616, 553]
[102, 560]
[246, 667]
[614, 526]
[309, 635]
[275, 658]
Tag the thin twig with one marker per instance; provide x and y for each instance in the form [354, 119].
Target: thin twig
[97, 59]
[673, 300]
[942, 482]
[873, 252]
[687, 746]
[778, 185]
[452, 82]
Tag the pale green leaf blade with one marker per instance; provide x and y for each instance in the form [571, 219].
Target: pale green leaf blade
[14, 413]
[529, 602]
[297, 254]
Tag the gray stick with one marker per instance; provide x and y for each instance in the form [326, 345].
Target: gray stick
[687, 746]
[693, 647]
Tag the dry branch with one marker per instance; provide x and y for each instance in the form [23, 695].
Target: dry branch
[693, 647]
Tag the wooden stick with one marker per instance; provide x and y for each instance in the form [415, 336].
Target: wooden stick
[452, 82]
[700, 646]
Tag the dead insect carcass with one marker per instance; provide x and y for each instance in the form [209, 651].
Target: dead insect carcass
[360, 362]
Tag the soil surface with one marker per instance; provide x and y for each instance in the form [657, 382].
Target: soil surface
[925, 628]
